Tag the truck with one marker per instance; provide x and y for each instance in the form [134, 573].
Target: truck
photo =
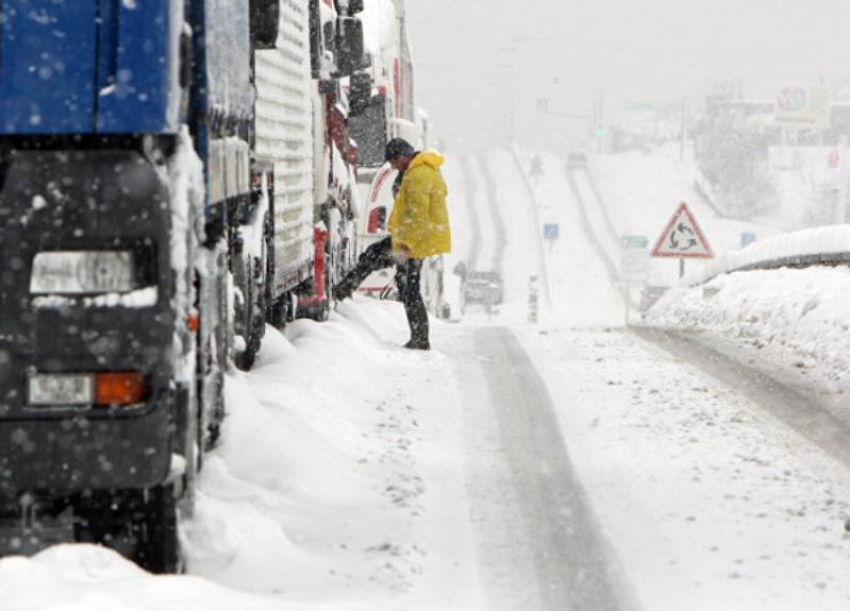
[383, 107]
[159, 202]
[298, 236]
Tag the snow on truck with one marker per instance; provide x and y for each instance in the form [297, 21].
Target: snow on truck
[172, 172]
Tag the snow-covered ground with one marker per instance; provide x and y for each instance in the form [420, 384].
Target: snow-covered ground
[575, 463]
[367, 483]
[798, 316]
[337, 485]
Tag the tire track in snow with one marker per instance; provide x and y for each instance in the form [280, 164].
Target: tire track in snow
[495, 214]
[554, 535]
[587, 227]
[471, 192]
[602, 204]
[797, 410]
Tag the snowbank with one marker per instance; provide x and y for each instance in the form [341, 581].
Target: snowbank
[90, 578]
[321, 494]
[801, 314]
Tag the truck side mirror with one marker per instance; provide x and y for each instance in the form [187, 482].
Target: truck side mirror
[360, 95]
[350, 46]
[265, 23]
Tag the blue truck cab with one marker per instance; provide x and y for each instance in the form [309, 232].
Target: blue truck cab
[90, 67]
[112, 337]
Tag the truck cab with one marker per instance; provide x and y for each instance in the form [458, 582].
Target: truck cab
[123, 146]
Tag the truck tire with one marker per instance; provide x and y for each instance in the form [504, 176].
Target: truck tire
[319, 312]
[154, 526]
[244, 314]
[256, 321]
[139, 524]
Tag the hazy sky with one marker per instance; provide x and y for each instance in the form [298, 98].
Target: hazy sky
[470, 55]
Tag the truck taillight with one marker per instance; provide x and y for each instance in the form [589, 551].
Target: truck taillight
[116, 389]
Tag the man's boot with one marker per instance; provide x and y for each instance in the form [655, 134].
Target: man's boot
[345, 286]
[417, 319]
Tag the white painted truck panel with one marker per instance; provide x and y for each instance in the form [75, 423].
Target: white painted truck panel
[284, 126]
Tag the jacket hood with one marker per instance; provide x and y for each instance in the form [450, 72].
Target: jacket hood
[431, 158]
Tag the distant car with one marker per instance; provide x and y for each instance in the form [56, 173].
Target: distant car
[484, 288]
[577, 159]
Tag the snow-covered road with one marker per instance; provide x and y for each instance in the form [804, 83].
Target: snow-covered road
[536, 535]
[572, 464]
[524, 468]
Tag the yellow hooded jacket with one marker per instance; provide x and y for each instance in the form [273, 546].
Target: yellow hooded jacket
[420, 219]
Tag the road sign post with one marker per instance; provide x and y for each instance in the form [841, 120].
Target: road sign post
[551, 233]
[533, 299]
[634, 266]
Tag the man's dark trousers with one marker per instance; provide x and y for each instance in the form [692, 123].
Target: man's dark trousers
[408, 279]
[378, 256]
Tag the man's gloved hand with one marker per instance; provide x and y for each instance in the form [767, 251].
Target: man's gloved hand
[402, 254]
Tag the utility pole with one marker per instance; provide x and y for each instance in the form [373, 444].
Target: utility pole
[511, 78]
[684, 129]
[512, 124]
[600, 118]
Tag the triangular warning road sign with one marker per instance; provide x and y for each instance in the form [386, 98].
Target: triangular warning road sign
[683, 238]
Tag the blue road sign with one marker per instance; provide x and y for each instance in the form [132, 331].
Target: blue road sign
[551, 231]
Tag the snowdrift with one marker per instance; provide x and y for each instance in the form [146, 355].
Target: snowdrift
[800, 314]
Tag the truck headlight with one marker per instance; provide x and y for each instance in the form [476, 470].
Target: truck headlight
[83, 272]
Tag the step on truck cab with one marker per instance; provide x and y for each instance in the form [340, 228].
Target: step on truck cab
[125, 147]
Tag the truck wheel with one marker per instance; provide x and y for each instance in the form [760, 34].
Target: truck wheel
[250, 321]
[138, 524]
[282, 310]
[255, 320]
[154, 529]
[277, 313]
[319, 312]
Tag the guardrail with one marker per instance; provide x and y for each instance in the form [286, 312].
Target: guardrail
[819, 246]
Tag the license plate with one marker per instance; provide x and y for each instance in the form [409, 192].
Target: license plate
[52, 389]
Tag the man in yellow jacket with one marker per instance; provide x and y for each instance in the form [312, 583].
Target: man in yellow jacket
[419, 228]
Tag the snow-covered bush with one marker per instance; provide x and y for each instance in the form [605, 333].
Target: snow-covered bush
[732, 157]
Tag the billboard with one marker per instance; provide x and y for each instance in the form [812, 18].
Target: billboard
[804, 106]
